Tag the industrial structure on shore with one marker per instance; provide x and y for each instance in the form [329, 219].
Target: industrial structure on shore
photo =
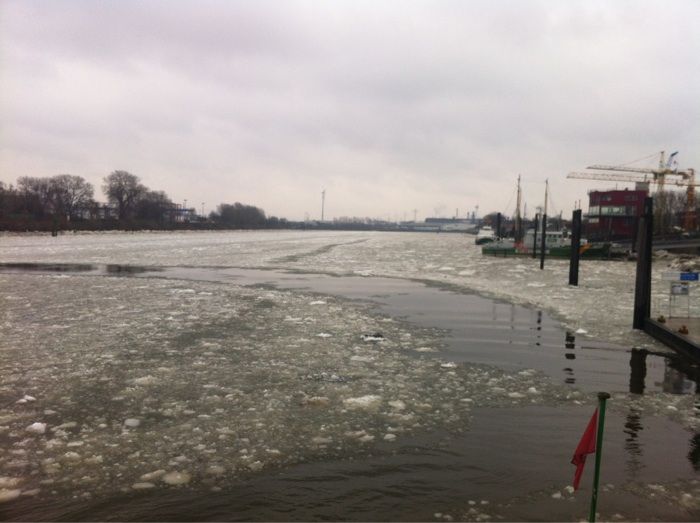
[614, 214]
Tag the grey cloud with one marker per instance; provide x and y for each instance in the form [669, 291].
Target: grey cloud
[378, 100]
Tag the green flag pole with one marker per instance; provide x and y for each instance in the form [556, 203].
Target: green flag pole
[602, 397]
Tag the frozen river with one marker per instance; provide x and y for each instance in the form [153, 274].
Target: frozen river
[327, 375]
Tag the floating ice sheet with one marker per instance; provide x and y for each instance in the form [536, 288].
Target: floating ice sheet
[226, 381]
[601, 304]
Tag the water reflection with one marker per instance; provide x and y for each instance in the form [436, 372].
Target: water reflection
[570, 379]
[111, 269]
[638, 370]
[633, 445]
[676, 382]
[570, 340]
[46, 267]
[672, 373]
[694, 453]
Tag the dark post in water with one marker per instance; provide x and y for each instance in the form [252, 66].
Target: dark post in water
[534, 241]
[544, 238]
[575, 247]
[498, 226]
[642, 288]
[544, 224]
[54, 225]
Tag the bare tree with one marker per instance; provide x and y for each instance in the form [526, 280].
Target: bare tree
[123, 189]
[153, 205]
[40, 190]
[239, 216]
[71, 193]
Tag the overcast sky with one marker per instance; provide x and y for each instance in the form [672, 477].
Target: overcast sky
[389, 105]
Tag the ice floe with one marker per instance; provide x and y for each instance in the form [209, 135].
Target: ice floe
[370, 401]
[228, 375]
[176, 478]
[36, 428]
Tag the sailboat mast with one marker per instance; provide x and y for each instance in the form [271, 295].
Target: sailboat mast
[546, 192]
[518, 218]
[544, 225]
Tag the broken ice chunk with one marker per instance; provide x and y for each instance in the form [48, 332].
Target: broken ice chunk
[150, 476]
[145, 380]
[8, 482]
[36, 428]
[256, 466]
[370, 401]
[8, 495]
[176, 478]
[215, 470]
[364, 359]
[397, 404]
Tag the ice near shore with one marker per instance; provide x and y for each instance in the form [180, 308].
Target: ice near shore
[147, 403]
[205, 384]
[446, 259]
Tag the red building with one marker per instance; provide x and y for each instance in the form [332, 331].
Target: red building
[613, 215]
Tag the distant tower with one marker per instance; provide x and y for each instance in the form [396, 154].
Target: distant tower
[323, 203]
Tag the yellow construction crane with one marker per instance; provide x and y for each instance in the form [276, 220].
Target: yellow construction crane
[651, 176]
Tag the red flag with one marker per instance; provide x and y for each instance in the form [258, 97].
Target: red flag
[585, 446]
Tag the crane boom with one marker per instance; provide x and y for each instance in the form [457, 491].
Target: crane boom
[613, 177]
[599, 167]
[660, 176]
[619, 177]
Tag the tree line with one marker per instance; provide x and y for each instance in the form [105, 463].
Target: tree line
[66, 201]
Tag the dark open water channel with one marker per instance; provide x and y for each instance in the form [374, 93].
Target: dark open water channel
[512, 459]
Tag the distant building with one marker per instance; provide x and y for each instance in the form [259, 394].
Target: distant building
[613, 215]
[446, 225]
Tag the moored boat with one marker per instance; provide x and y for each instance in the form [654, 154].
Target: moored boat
[557, 245]
[485, 235]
